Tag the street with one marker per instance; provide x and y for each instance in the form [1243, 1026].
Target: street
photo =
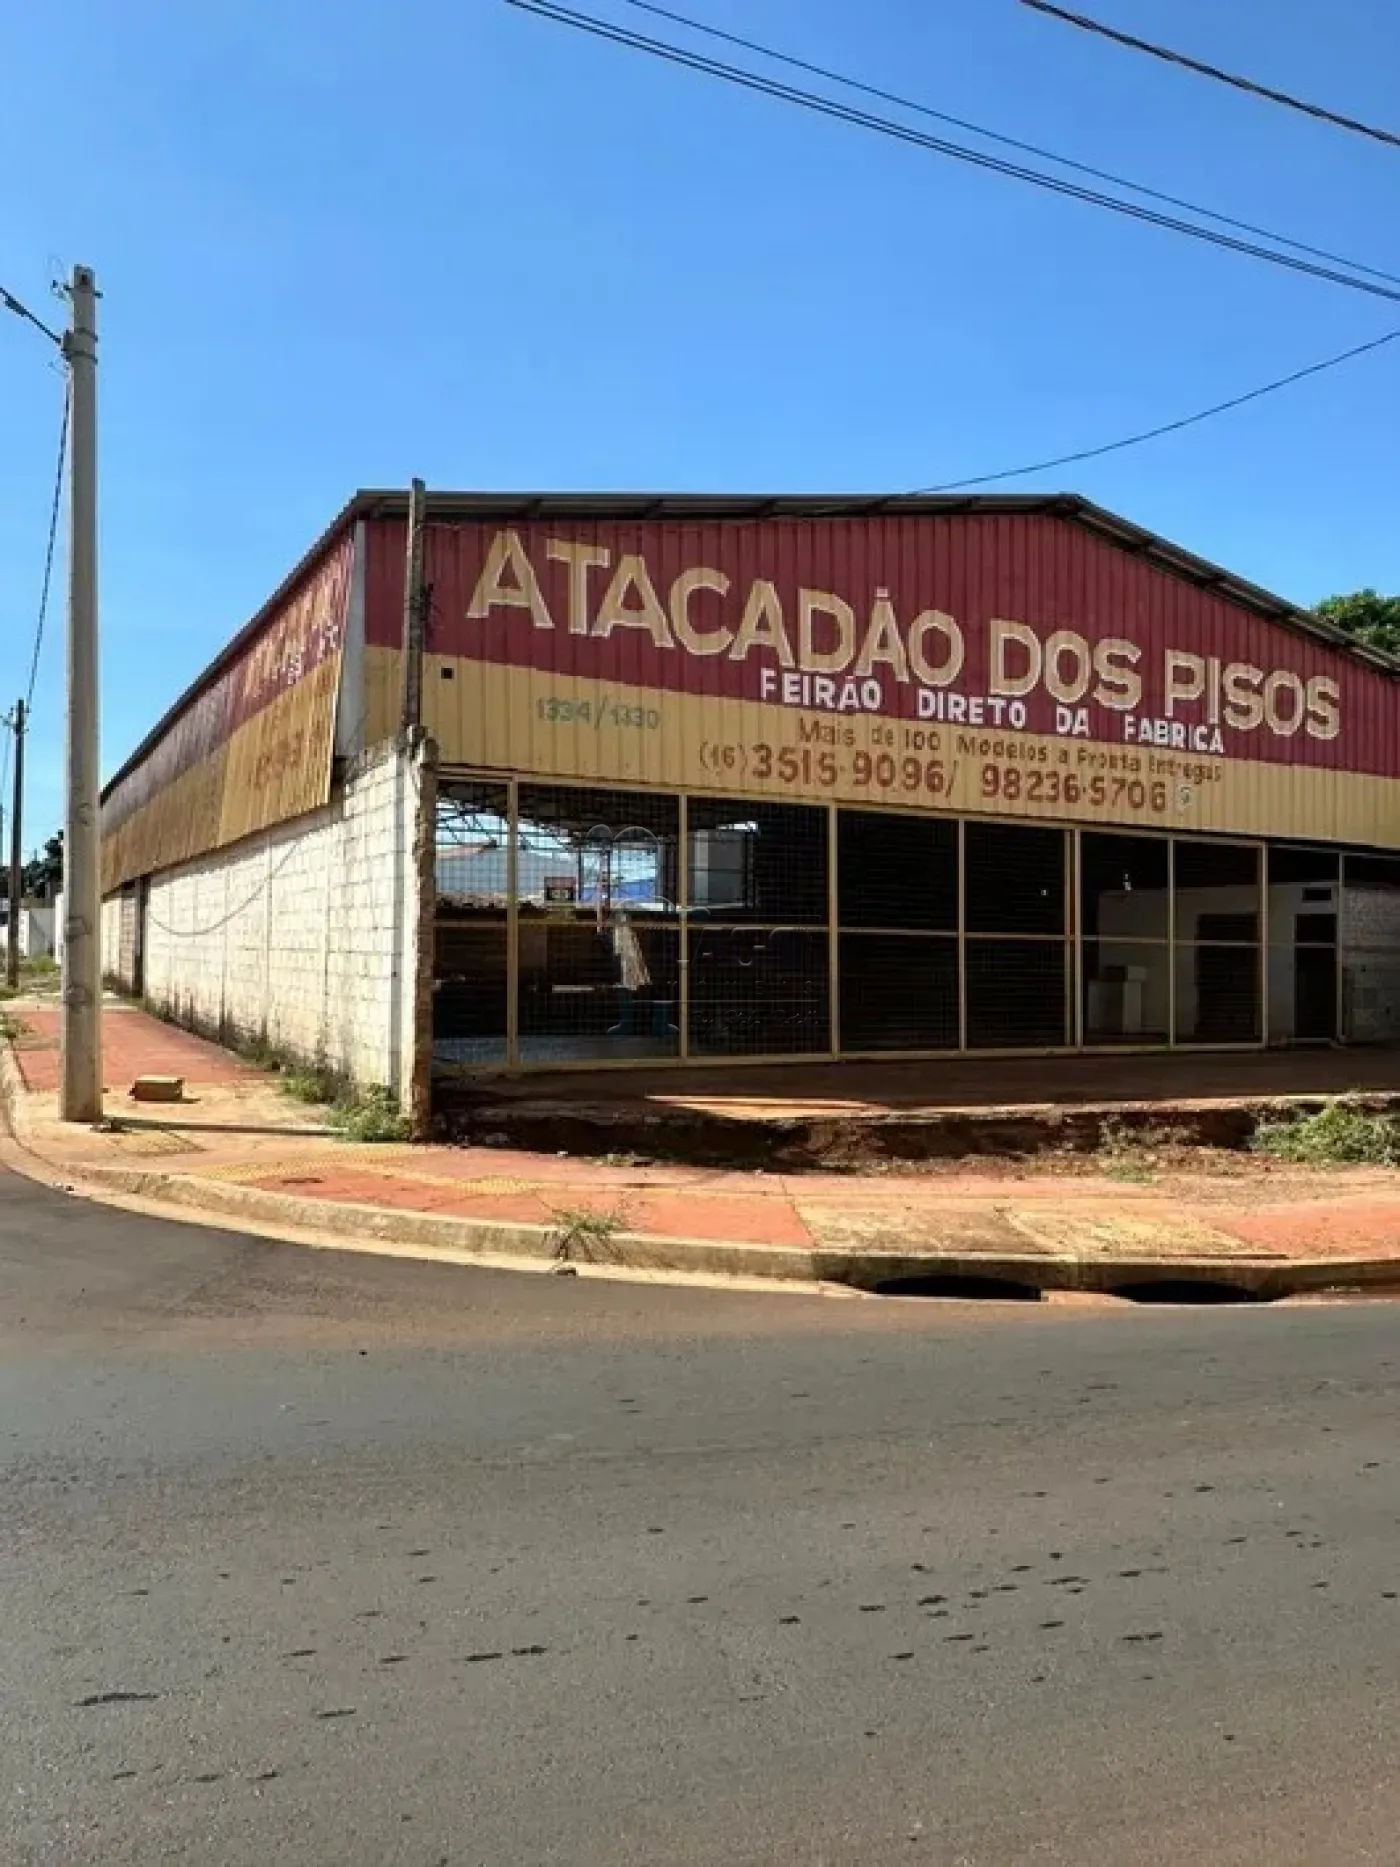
[340, 1560]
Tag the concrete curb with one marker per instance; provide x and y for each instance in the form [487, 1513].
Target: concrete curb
[1264, 1278]
[497, 1242]
[477, 1237]
[14, 1097]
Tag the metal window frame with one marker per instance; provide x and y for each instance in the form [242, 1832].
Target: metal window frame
[683, 907]
[513, 926]
[1072, 936]
[1258, 946]
[1343, 948]
[833, 933]
[1074, 981]
[962, 936]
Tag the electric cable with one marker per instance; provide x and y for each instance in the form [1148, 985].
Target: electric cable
[1317, 111]
[829, 107]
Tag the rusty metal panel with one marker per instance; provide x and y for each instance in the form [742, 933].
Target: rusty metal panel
[252, 748]
[1012, 663]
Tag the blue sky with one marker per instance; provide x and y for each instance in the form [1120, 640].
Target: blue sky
[343, 244]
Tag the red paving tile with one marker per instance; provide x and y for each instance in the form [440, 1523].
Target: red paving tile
[506, 1208]
[1370, 1230]
[364, 1189]
[133, 1045]
[39, 1068]
[763, 1220]
[374, 1189]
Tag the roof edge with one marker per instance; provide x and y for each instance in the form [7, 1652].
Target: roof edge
[756, 507]
[392, 503]
[231, 649]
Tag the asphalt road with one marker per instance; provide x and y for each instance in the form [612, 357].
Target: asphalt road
[315, 1558]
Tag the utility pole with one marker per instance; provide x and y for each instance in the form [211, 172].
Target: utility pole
[81, 1094]
[414, 610]
[17, 726]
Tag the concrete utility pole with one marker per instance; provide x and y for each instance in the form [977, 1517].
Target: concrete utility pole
[415, 609]
[81, 1095]
[16, 857]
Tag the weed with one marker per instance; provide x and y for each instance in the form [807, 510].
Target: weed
[308, 1085]
[1340, 1135]
[583, 1232]
[1137, 1153]
[257, 1051]
[1125, 1153]
[370, 1115]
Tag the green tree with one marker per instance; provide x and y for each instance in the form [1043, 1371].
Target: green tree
[43, 875]
[1366, 616]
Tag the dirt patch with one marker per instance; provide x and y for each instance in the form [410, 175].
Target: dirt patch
[1123, 1140]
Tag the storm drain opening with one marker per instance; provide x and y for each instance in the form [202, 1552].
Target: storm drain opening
[1198, 1290]
[961, 1289]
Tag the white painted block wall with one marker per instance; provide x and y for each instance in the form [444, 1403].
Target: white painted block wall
[303, 935]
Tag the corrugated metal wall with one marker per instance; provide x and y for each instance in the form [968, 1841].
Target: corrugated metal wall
[251, 749]
[1011, 664]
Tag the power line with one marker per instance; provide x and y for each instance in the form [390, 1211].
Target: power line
[549, 9]
[1168, 427]
[49, 552]
[11, 303]
[997, 136]
[1317, 111]
[899, 132]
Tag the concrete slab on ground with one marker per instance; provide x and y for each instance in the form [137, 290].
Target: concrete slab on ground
[856, 1115]
[783, 1091]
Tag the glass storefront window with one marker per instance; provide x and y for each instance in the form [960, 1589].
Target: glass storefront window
[1014, 878]
[598, 924]
[897, 871]
[947, 933]
[470, 932]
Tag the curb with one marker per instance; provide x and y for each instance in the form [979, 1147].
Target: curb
[1262, 1278]
[496, 1238]
[14, 1097]
[504, 1242]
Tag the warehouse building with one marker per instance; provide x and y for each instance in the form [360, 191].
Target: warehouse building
[679, 779]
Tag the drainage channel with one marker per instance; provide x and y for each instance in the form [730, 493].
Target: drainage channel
[1185, 1290]
[959, 1289]
[967, 1288]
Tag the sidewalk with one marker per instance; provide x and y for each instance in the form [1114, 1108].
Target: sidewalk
[239, 1148]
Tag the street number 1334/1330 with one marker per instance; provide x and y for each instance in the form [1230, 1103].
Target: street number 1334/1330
[603, 712]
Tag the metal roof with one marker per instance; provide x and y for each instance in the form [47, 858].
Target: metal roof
[696, 508]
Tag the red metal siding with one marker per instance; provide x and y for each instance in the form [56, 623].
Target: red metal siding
[1121, 646]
